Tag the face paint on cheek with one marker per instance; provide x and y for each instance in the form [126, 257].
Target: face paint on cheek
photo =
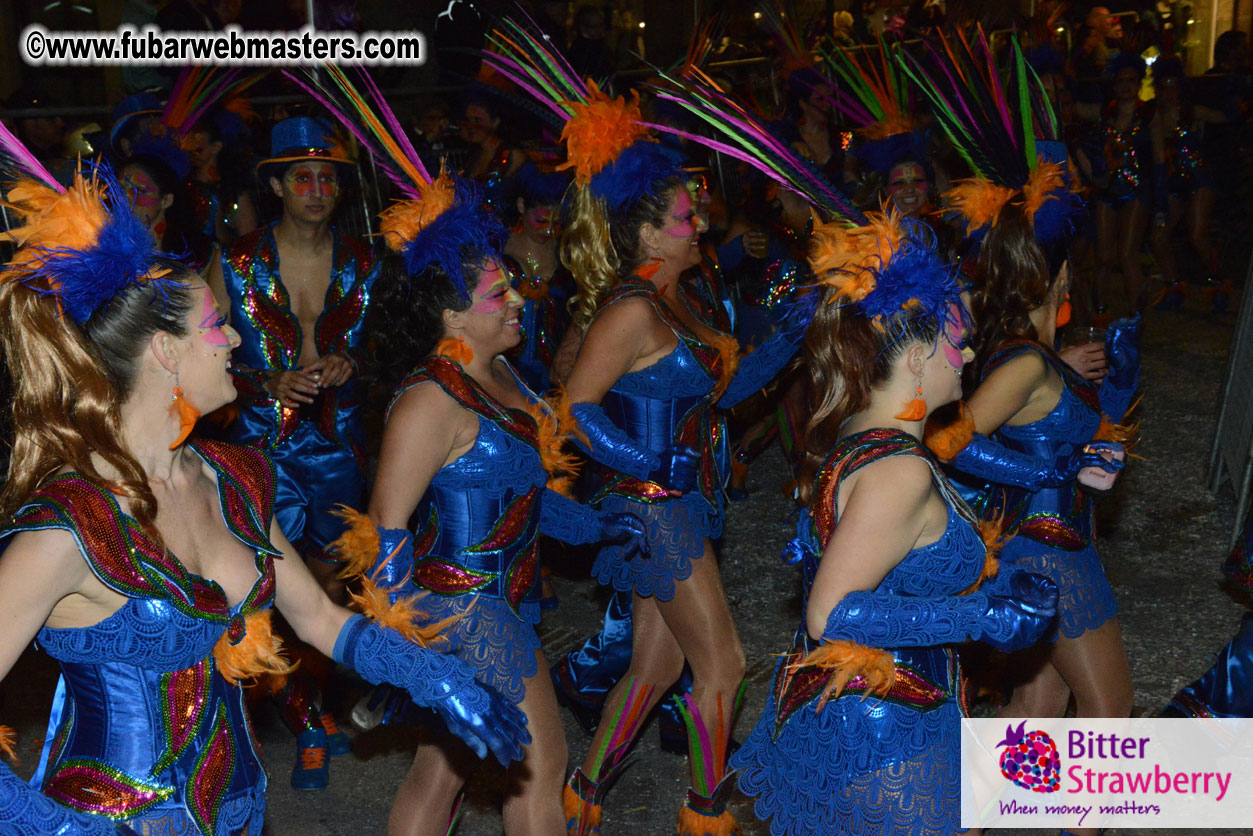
[211, 323]
[299, 182]
[540, 222]
[681, 225]
[953, 353]
[492, 294]
[328, 186]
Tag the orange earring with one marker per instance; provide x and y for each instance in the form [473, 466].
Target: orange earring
[916, 409]
[187, 414]
[455, 350]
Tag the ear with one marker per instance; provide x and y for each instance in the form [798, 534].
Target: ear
[649, 236]
[521, 206]
[164, 349]
[277, 186]
[915, 359]
[453, 320]
[167, 202]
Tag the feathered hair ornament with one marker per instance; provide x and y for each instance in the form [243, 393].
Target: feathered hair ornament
[609, 147]
[885, 267]
[1004, 128]
[443, 219]
[83, 244]
[880, 105]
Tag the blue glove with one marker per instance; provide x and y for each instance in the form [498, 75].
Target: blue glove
[473, 712]
[999, 617]
[761, 365]
[573, 522]
[394, 565]
[25, 811]
[609, 445]
[988, 459]
[1122, 348]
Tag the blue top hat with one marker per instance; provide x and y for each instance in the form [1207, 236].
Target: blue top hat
[303, 138]
[128, 110]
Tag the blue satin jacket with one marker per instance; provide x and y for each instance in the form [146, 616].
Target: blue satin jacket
[272, 338]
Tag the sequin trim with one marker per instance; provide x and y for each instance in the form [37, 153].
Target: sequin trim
[211, 776]
[184, 695]
[95, 787]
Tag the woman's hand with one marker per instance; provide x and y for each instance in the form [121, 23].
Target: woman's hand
[292, 387]
[1087, 359]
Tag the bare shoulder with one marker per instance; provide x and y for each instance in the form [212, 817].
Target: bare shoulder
[892, 487]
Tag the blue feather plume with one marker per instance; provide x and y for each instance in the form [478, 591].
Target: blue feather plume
[462, 237]
[635, 173]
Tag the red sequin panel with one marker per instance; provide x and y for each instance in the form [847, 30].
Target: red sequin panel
[342, 314]
[183, 697]
[522, 575]
[445, 578]
[95, 787]
[212, 775]
[279, 330]
[247, 480]
[1053, 532]
[510, 526]
[427, 535]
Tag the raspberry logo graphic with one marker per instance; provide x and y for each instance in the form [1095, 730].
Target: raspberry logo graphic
[1030, 759]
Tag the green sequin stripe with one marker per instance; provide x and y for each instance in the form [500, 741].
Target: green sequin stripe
[184, 695]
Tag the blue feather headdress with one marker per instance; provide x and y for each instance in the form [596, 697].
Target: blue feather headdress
[888, 268]
[82, 244]
[443, 219]
[538, 185]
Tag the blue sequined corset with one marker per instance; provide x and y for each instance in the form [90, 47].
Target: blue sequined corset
[1059, 518]
[860, 763]
[477, 523]
[144, 728]
[271, 338]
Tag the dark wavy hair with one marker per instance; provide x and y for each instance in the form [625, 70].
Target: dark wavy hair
[1013, 277]
[847, 356]
[182, 233]
[406, 319]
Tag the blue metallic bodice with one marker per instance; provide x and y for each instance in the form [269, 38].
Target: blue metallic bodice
[1057, 517]
[651, 404]
[144, 727]
[271, 337]
[477, 524]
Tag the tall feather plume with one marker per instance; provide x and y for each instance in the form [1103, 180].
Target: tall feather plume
[879, 98]
[748, 140]
[705, 37]
[790, 44]
[13, 151]
[526, 57]
[199, 88]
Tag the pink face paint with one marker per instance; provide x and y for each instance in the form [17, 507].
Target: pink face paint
[954, 351]
[212, 323]
[907, 186]
[304, 181]
[681, 223]
[539, 222]
[142, 189]
[493, 291]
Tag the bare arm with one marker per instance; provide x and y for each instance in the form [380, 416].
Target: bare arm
[882, 519]
[425, 430]
[37, 571]
[620, 336]
[1007, 391]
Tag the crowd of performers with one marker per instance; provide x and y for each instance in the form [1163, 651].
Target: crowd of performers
[557, 352]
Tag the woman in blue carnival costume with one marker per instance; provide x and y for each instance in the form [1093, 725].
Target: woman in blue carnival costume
[530, 257]
[1034, 427]
[1186, 185]
[146, 563]
[1124, 194]
[468, 452]
[860, 733]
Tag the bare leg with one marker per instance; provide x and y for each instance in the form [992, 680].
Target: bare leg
[1095, 667]
[1132, 221]
[442, 765]
[1163, 253]
[696, 624]
[1106, 252]
[1198, 228]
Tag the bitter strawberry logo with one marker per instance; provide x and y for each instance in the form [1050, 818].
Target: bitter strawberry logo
[1030, 759]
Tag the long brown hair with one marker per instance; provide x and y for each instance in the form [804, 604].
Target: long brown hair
[1013, 277]
[69, 385]
[847, 356]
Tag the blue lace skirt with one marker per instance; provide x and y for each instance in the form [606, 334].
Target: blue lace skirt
[1085, 599]
[489, 637]
[855, 766]
[676, 528]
